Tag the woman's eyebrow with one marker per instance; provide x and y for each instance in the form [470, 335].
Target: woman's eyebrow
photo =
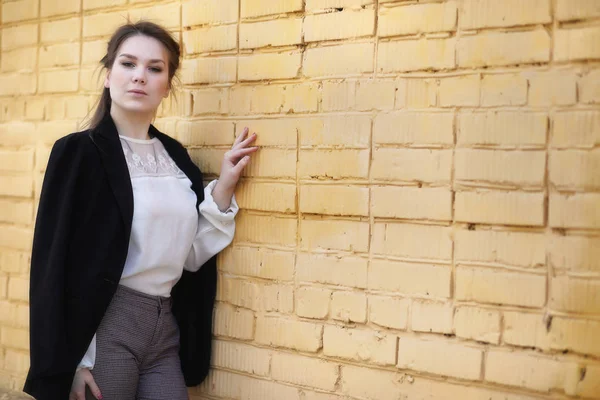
[135, 58]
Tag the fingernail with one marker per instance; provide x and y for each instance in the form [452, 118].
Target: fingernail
[100, 396]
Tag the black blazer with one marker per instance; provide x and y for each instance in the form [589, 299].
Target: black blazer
[79, 249]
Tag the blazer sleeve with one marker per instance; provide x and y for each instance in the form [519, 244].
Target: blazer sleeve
[48, 345]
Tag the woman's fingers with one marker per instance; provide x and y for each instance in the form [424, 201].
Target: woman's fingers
[235, 155]
[89, 380]
[241, 137]
[243, 140]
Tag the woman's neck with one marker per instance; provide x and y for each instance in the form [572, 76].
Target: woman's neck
[133, 125]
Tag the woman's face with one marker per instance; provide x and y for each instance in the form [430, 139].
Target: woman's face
[139, 77]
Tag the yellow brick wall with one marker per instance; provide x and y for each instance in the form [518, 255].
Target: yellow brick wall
[422, 220]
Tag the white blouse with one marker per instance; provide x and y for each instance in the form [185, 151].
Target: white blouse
[168, 235]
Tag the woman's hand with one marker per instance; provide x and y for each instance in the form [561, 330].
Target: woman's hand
[82, 378]
[233, 164]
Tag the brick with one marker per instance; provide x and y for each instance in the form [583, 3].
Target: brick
[301, 98]
[305, 371]
[89, 80]
[417, 18]
[576, 335]
[482, 325]
[375, 95]
[500, 167]
[233, 322]
[208, 101]
[552, 88]
[272, 163]
[234, 386]
[503, 90]
[347, 131]
[17, 134]
[312, 302]
[577, 44]
[434, 54]
[334, 235]
[258, 262]
[64, 7]
[510, 208]
[345, 24]
[421, 93]
[15, 262]
[414, 128]
[16, 361]
[269, 66]
[200, 12]
[61, 30]
[440, 357]
[389, 312]
[256, 296]
[16, 212]
[272, 132]
[574, 211]
[524, 370]
[241, 357]
[19, 11]
[17, 339]
[359, 345]
[574, 253]
[577, 9]
[344, 271]
[589, 87]
[266, 196]
[17, 186]
[18, 289]
[506, 48]
[255, 8]
[205, 133]
[320, 396]
[349, 307]
[257, 99]
[410, 278]
[370, 383]
[250, 228]
[59, 55]
[208, 70]
[403, 240]
[356, 200]
[279, 32]
[338, 96]
[576, 129]
[13, 84]
[574, 294]
[489, 13]
[431, 317]
[103, 24]
[590, 385]
[511, 128]
[412, 165]
[460, 91]
[296, 335]
[167, 15]
[411, 203]
[338, 60]
[526, 330]
[566, 167]
[522, 249]
[19, 36]
[95, 4]
[16, 160]
[61, 81]
[340, 164]
[500, 287]
[212, 38]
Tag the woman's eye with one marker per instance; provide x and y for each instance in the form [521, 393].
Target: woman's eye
[154, 69]
[127, 64]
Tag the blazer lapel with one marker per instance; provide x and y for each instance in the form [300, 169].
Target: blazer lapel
[106, 138]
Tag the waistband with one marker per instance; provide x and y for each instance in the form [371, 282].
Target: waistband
[129, 293]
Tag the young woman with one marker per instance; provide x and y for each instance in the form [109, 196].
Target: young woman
[123, 275]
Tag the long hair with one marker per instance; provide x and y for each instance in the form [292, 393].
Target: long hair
[123, 33]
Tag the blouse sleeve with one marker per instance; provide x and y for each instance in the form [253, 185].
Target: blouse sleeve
[215, 230]
[89, 359]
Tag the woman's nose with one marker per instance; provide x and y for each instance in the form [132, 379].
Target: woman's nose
[139, 76]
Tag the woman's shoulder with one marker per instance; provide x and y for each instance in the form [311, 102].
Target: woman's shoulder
[75, 141]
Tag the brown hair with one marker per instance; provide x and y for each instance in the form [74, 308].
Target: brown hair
[126, 31]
